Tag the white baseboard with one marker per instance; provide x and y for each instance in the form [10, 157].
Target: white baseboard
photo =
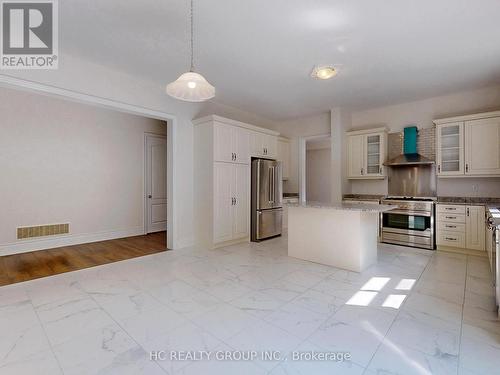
[24, 246]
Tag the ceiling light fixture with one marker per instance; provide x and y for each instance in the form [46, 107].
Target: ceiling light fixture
[324, 72]
[191, 86]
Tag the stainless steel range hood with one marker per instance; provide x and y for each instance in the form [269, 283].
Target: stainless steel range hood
[410, 157]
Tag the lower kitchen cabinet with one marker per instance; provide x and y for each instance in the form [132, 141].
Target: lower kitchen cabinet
[475, 227]
[460, 226]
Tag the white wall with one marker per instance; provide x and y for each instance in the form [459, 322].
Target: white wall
[421, 113]
[318, 175]
[64, 162]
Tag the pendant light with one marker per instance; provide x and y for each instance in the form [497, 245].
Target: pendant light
[191, 86]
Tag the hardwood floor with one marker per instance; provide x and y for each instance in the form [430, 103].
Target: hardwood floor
[27, 266]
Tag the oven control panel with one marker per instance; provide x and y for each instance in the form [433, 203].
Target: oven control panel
[410, 206]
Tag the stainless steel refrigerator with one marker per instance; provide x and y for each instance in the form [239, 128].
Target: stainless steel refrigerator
[267, 211]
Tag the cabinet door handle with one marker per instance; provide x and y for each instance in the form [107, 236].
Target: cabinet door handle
[362, 172]
[467, 211]
[380, 170]
[450, 208]
[451, 217]
[235, 156]
[466, 167]
[439, 169]
[451, 239]
[451, 226]
[235, 201]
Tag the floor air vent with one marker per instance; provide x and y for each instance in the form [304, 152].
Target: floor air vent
[42, 231]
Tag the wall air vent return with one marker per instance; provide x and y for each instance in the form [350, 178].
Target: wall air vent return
[42, 231]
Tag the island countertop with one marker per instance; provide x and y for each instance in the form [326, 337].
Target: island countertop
[344, 206]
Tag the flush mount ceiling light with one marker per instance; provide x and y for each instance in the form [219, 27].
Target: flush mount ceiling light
[324, 72]
[191, 86]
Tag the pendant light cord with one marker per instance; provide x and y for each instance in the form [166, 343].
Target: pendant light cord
[192, 38]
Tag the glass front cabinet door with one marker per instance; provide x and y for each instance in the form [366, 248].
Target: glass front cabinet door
[450, 149]
[373, 154]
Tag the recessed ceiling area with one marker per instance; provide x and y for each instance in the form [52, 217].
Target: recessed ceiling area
[259, 54]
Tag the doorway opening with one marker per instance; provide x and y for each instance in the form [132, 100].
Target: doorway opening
[315, 175]
[101, 228]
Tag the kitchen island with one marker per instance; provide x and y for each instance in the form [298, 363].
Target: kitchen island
[342, 235]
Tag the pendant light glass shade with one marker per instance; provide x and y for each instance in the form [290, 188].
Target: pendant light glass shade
[191, 87]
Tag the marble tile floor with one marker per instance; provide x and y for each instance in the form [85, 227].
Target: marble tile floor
[414, 312]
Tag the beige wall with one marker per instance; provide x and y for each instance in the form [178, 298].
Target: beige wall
[318, 175]
[63, 162]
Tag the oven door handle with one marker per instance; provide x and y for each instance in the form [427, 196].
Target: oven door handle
[409, 213]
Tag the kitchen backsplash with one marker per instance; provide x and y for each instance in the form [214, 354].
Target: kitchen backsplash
[426, 143]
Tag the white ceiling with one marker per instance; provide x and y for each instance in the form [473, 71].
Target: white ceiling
[259, 53]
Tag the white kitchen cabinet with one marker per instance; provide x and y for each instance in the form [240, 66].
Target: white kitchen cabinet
[263, 145]
[468, 145]
[222, 154]
[284, 156]
[366, 153]
[482, 146]
[231, 144]
[223, 202]
[231, 213]
[450, 149]
[460, 226]
[475, 227]
[355, 156]
[240, 188]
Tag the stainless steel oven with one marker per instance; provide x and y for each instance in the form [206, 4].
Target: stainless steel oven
[410, 223]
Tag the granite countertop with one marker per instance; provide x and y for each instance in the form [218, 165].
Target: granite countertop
[469, 200]
[363, 197]
[344, 206]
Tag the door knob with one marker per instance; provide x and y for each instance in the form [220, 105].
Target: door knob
[150, 196]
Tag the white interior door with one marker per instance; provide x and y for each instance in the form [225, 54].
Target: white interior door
[156, 183]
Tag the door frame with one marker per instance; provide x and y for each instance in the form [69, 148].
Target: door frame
[302, 162]
[146, 176]
[100, 102]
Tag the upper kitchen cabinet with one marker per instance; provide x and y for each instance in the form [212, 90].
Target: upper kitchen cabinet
[468, 145]
[231, 143]
[284, 156]
[366, 153]
[450, 149]
[263, 145]
[482, 147]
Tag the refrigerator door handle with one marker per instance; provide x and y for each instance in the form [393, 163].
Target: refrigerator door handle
[271, 179]
[274, 185]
